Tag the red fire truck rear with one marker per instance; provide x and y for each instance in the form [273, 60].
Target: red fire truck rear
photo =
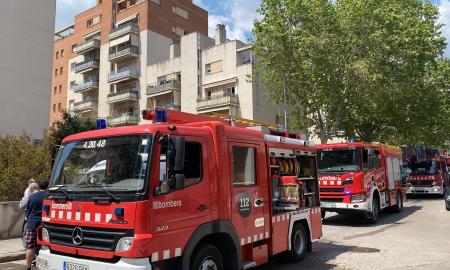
[360, 178]
[187, 192]
[429, 173]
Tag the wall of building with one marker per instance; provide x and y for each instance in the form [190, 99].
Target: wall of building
[26, 53]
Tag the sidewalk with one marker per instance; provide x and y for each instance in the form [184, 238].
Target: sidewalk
[11, 250]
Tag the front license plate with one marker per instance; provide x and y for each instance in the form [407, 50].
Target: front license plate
[74, 266]
[327, 205]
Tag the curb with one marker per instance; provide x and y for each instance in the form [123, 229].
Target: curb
[12, 257]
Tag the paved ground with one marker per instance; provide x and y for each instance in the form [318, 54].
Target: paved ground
[417, 238]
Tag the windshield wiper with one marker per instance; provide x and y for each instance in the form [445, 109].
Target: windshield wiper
[67, 196]
[111, 196]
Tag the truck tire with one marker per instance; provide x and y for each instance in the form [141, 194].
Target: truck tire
[372, 217]
[399, 206]
[299, 243]
[206, 257]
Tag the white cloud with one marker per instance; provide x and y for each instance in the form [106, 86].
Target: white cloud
[444, 18]
[67, 9]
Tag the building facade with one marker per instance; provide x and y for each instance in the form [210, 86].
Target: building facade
[25, 48]
[153, 53]
[100, 61]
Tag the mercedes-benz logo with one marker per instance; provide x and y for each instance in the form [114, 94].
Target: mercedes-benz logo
[77, 236]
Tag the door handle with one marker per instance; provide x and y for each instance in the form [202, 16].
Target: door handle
[259, 202]
[202, 207]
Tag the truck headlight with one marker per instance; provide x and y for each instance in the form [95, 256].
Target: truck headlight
[358, 198]
[45, 236]
[124, 244]
[434, 183]
[41, 264]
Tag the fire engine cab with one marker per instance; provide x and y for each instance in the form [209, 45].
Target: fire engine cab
[360, 178]
[186, 192]
[428, 171]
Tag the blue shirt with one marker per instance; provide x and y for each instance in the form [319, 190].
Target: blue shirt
[34, 210]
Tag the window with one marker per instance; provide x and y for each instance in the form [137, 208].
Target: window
[230, 91]
[60, 70]
[214, 67]
[54, 108]
[56, 72]
[178, 31]
[59, 107]
[158, 2]
[180, 12]
[62, 53]
[74, 46]
[60, 88]
[54, 90]
[57, 55]
[244, 166]
[72, 65]
[89, 23]
[373, 159]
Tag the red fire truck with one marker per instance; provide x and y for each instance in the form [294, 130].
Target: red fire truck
[360, 177]
[187, 192]
[428, 171]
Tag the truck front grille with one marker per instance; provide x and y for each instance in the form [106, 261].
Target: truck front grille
[341, 190]
[421, 182]
[93, 238]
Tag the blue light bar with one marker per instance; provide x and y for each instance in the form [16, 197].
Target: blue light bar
[119, 211]
[160, 116]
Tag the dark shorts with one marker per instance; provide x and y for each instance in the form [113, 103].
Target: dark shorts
[30, 238]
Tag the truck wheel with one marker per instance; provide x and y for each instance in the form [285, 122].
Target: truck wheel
[399, 206]
[299, 243]
[206, 257]
[372, 217]
[323, 213]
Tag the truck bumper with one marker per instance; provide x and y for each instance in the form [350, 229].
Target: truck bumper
[362, 206]
[425, 190]
[48, 261]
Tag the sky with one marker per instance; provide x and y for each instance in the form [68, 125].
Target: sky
[237, 15]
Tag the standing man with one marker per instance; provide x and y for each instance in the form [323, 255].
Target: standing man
[34, 219]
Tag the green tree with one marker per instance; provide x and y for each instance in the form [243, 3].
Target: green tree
[20, 160]
[70, 124]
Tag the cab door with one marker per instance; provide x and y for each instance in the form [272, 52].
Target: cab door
[249, 193]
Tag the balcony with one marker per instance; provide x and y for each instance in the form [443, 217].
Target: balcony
[123, 95]
[87, 46]
[123, 119]
[85, 106]
[123, 30]
[86, 86]
[162, 89]
[87, 66]
[122, 75]
[217, 103]
[170, 106]
[125, 53]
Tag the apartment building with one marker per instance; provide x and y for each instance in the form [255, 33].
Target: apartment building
[209, 75]
[26, 37]
[100, 61]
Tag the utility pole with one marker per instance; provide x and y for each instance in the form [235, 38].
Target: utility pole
[285, 103]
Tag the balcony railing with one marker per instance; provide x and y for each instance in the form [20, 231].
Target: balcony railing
[159, 88]
[87, 65]
[125, 53]
[129, 94]
[123, 74]
[123, 119]
[221, 101]
[85, 86]
[88, 46]
[124, 29]
[85, 105]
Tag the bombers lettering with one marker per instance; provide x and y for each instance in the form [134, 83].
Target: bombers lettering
[62, 206]
[329, 178]
[168, 204]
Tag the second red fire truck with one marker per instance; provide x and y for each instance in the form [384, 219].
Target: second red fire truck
[360, 178]
[191, 193]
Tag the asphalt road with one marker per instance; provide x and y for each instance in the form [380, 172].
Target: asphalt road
[417, 238]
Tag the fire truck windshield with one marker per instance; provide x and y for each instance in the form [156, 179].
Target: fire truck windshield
[115, 164]
[425, 167]
[339, 160]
